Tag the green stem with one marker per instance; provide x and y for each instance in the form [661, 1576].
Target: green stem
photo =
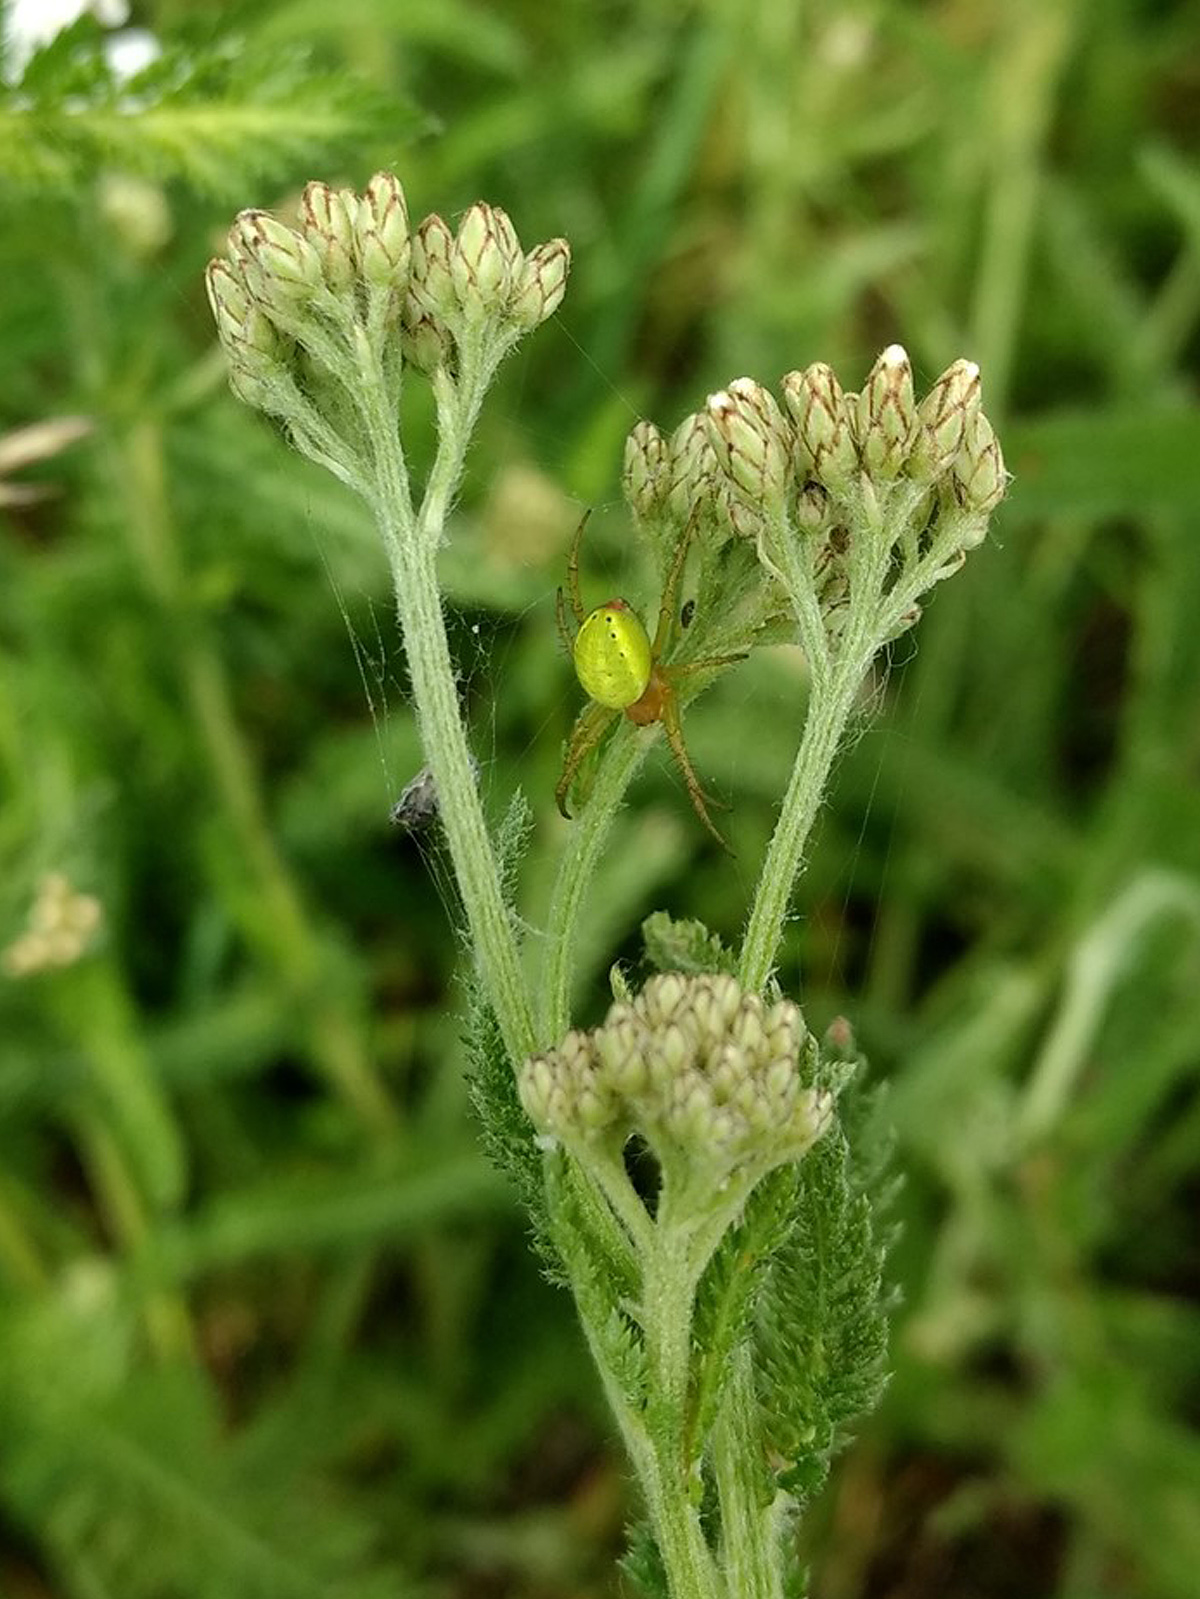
[789, 560]
[606, 1170]
[835, 684]
[412, 556]
[828, 714]
[750, 1533]
[621, 759]
[668, 1300]
[686, 1557]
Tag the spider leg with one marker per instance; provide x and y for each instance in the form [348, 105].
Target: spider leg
[700, 800]
[560, 616]
[594, 721]
[573, 569]
[666, 613]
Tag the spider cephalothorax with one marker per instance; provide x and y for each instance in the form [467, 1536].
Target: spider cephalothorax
[622, 670]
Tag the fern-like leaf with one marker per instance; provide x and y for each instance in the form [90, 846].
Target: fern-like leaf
[602, 1275]
[729, 1289]
[213, 110]
[642, 1563]
[507, 1133]
[684, 946]
[822, 1315]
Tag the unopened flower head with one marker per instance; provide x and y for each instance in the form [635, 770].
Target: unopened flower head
[431, 284]
[328, 219]
[424, 338]
[381, 233]
[281, 267]
[885, 415]
[646, 477]
[541, 284]
[822, 416]
[710, 1076]
[750, 441]
[942, 419]
[481, 273]
[254, 347]
[694, 473]
[795, 403]
[241, 321]
[137, 213]
[979, 466]
[812, 508]
[486, 261]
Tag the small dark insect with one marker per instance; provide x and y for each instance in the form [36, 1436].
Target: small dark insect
[417, 806]
[685, 616]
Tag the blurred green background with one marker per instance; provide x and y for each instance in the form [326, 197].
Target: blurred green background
[269, 1325]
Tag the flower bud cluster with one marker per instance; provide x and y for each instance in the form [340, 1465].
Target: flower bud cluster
[671, 478]
[279, 286]
[934, 468]
[810, 458]
[461, 280]
[62, 924]
[886, 435]
[710, 1077]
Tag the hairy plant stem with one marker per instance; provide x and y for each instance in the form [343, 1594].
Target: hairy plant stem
[751, 1535]
[411, 546]
[836, 679]
[619, 763]
[828, 714]
[672, 1250]
[670, 1274]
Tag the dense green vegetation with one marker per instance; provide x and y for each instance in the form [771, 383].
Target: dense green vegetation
[269, 1322]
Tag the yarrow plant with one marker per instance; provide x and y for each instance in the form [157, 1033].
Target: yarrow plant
[688, 1164]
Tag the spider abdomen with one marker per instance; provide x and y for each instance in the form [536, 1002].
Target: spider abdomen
[613, 659]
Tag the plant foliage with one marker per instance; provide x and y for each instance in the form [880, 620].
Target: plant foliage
[213, 109]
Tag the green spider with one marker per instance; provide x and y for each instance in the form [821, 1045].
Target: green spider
[621, 669]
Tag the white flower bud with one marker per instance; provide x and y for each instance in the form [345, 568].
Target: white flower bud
[979, 466]
[694, 469]
[541, 284]
[253, 346]
[692, 1064]
[942, 418]
[382, 232]
[58, 932]
[485, 261]
[280, 266]
[328, 217]
[822, 415]
[646, 474]
[424, 338]
[432, 286]
[885, 415]
[750, 441]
